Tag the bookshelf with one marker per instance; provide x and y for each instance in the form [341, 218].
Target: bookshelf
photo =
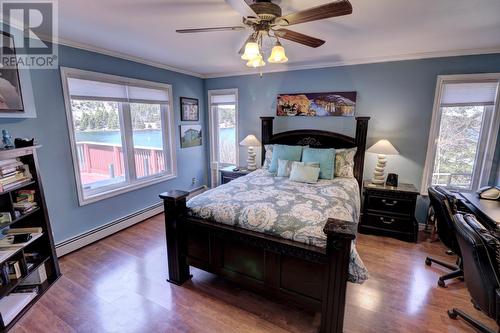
[32, 262]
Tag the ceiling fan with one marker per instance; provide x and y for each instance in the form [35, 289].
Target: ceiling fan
[265, 19]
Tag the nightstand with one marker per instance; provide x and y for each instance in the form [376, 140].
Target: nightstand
[227, 174]
[390, 211]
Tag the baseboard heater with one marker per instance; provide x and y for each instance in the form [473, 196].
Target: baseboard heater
[91, 236]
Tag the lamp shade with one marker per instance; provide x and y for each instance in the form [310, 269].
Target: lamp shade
[250, 141]
[278, 55]
[251, 50]
[383, 147]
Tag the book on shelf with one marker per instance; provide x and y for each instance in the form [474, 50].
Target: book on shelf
[9, 166]
[5, 218]
[18, 178]
[24, 207]
[25, 195]
[12, 304]
[14, 269]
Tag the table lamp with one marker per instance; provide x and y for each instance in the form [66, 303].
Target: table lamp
[251, 141]
[382, 148]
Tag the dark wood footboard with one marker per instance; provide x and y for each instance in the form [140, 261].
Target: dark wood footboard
[306, 275]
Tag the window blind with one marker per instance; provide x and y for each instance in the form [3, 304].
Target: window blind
[99, 90]
[476, 93]
[223, 99]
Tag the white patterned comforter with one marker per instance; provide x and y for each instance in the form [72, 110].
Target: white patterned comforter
[280, 207]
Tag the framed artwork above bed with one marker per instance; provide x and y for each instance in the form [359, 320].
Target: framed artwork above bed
[317, 104]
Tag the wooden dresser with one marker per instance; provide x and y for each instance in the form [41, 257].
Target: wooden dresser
[390, 211]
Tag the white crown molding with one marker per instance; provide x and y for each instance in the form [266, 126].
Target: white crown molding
[120, 55]
[360, 61]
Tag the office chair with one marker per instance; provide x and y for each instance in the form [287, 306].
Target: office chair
[480, 255]
[444, 206]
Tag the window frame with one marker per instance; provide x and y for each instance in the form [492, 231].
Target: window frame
[486, 148]
[131, 182]
[212, 121]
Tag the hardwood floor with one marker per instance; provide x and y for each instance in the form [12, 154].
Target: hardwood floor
[118, 285]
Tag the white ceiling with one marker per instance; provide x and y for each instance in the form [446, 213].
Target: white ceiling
[378, 30]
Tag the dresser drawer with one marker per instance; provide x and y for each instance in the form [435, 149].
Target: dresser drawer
[400, 224]
[390, 204]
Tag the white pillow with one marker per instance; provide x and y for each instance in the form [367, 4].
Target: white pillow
[304, 173]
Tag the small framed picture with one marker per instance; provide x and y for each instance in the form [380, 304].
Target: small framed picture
[190, 136]
[189, 109]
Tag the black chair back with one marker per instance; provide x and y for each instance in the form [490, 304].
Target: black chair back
[480, 250]
[443, 204]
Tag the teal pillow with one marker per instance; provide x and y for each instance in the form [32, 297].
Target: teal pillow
[325, 157]
[284, 152]
[304, 173]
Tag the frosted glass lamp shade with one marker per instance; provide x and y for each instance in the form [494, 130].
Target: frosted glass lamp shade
[251, 50]
[383, 147]
[278, 55]
[250, 141]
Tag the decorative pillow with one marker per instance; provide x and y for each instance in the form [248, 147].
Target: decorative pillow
[344, 162]
[268, 156]
[304, 173]
[284, 152]
[325, 157]
[285, 167]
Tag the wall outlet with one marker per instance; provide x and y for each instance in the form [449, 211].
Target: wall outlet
[194, 181]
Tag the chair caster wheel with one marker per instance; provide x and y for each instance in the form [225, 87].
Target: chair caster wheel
[428, 262]
[441, 283]
[452, 314]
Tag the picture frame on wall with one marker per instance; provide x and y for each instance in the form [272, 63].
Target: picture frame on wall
[191, 136]
[339, 104]
[189, 109]
[10, 85]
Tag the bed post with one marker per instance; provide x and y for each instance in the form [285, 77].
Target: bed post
[266, 134]
[338, 248]
[359, 159]
[175, 209]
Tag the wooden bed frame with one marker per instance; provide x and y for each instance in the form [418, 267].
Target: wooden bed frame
[309, 276]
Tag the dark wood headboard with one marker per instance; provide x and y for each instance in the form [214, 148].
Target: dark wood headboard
[320, 139]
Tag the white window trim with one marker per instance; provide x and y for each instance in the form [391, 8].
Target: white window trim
[489, 150]
[213, 136]
[168, 136]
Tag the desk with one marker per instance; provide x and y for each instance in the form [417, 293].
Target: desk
[485, 210]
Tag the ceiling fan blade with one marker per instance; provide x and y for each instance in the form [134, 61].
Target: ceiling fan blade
[297, 37]
[187, 31]
[242, 7]
[333, 9]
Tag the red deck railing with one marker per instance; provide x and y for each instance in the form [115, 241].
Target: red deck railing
[105, 159]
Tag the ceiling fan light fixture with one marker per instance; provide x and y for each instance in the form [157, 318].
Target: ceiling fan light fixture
[251, 50]
[256, 62]
[278, 55]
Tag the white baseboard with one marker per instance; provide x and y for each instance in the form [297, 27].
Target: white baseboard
[106, 230]
[91, 236]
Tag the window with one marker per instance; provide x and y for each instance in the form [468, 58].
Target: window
[464, 130]
[120, 130]
[223, 129]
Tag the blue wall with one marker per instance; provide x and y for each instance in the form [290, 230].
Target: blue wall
[398, 96]
[50, 129]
